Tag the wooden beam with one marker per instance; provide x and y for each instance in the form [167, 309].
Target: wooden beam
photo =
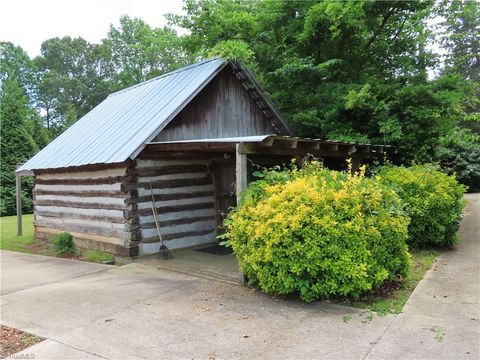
[241, 180]
[18, 188]
[240, 171]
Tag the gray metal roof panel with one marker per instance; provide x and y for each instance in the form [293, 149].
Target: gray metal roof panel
[120, 125]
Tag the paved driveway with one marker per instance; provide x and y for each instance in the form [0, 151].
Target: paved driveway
[136, 311]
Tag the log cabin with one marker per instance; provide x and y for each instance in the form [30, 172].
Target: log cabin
[186, 142]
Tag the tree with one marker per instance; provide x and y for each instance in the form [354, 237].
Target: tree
[17, 66]
[461, 26]
[16, 63]
[353, 71]
[17, 145]
[140, 52]
[74, 74]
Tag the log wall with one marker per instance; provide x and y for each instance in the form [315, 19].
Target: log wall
[184, 199]
[93, 205]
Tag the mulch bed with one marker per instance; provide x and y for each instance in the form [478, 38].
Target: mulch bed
[13, 341]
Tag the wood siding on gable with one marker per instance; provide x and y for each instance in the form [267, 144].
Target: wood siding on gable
[222, 109]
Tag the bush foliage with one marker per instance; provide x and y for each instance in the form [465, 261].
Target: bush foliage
[459, 154]
[319, 233]
[433, 201]
[63, 244]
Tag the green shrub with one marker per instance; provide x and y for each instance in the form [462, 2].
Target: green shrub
[98, 256]
[319, 233]
[63, 244]
[459, 153]
[433, 201]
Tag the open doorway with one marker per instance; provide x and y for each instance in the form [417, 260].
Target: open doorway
[224, 189]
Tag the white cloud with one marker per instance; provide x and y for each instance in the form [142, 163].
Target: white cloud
[29, 22]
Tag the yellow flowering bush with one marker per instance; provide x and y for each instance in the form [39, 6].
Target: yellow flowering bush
[319, 233]
[433, 200]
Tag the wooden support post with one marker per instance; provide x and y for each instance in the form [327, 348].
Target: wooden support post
[356, 163]
[241, 182]
[18, 186]
[240, 171]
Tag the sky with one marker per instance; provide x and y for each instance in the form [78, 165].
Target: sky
[28, 23]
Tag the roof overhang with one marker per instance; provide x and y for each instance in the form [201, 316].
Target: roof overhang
[273, 145]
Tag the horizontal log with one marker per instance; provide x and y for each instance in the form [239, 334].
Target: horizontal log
[80, 187]
[148, 204]
[111, 219]
[179, 215]
[81, 205]
[90, 167]
[83, 193]
[182, 221]
[179, 176]
[175, 183]
[142, 164]
[177, 208]
[96, 181]
[163, 191]
[86, 174]
[112, 245]
[179, 235]
[83, 228]
[171, 169]
[84, 200]
[174, 196]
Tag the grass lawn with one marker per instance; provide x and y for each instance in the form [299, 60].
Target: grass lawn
[8, 234]
[26, 243]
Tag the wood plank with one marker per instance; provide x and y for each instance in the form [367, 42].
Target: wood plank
[222, 109]
[95, 181]
[81, 205]
[240, 171]
[175, 183]
[174, 196]
[82, 228]
[177, 208]
[112, 245]
[182, 221]
[90, 167]
[111, 219]
[94, 174]
[179, 235]
[83, 193]
[171, 169]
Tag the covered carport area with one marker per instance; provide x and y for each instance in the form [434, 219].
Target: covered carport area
[232, 163]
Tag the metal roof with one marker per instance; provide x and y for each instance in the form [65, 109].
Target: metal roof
[119, 126]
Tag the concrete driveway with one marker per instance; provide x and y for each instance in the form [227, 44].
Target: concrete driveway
[136, 311]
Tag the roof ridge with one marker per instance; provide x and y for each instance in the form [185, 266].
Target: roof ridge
[188, 67]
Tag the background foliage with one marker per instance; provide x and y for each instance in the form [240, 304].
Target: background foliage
[339, 70]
